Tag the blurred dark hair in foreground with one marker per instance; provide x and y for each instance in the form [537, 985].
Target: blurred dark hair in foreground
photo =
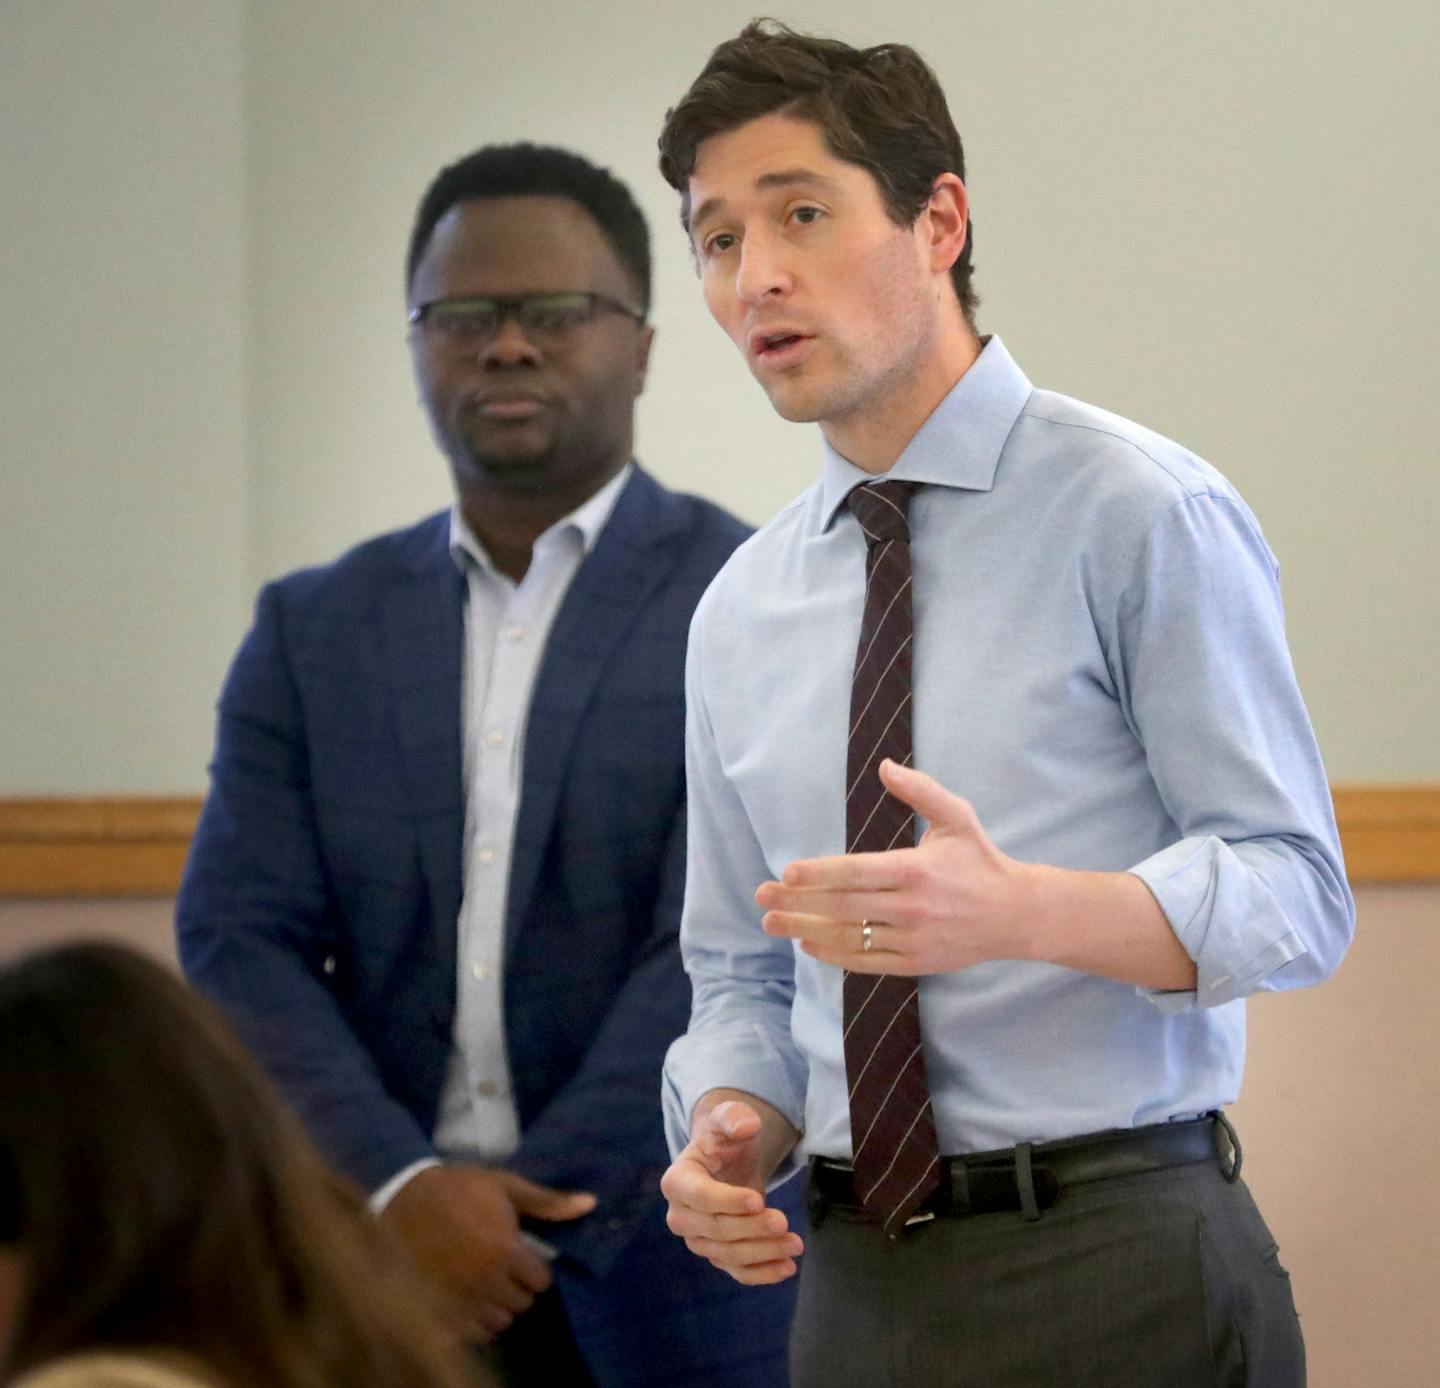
[161, 1198]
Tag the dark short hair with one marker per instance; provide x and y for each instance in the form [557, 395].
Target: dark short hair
[163, 1195]
[526, 170]
[880, 108]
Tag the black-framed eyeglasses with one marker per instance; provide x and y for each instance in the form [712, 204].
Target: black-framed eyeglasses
[543, 318]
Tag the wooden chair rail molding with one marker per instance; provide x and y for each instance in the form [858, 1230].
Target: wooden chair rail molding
[135, 846]
[95, 847]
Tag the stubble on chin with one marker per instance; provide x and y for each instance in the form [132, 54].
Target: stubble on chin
[793, 406]
[805, 397]
[796, 395]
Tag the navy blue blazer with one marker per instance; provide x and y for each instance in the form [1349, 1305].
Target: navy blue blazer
[319, 904]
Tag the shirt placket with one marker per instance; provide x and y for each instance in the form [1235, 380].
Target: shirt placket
[517, 630]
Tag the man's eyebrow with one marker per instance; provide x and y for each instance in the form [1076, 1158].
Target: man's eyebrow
[778, 178]
[782, 178]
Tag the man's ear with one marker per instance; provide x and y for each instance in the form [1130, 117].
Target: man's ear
[642, 356]
[946, 222]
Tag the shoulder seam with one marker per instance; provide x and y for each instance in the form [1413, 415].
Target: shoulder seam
[1119, 438]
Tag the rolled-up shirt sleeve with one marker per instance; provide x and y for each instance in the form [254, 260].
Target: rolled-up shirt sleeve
[1255, 886]
[742, 979]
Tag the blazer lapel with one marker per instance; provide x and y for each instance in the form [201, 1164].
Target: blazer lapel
[422, 632]
[608, 592]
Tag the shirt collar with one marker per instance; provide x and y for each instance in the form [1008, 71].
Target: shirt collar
[586, 522]
[959, 445]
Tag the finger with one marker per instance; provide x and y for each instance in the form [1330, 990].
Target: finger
[834, 903]
[841, 929]
[725, 1228]
[690, 1187]
[939, 807]
[747, 1252]
[491, 1320]
[458, 1318]
[544, 1202]
[877, 961]
[508, 1294]
[815, 930]
[728, 1123]
[530, 1270]
[848, 872]
[726, 1144]
[560, 1207]
[760, 1274]
[841, 940]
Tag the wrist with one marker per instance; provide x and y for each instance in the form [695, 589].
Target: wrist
[1103, 923]
[1035, 892]
[401, 1181]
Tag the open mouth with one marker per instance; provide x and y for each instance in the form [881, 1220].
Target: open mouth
[781, 348]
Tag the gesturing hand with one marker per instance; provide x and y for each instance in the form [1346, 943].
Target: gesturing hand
[952, 901]
[461, 1227]
[717, 1205]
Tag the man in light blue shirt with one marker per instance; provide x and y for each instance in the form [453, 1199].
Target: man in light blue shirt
[1129, 827]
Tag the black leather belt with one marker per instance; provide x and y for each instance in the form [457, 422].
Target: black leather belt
[1032, 1176]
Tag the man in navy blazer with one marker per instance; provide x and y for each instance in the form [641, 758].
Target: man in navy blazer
[499, 686]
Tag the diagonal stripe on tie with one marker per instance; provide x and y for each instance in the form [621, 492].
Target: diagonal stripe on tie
[892, 1126]
[876, 740]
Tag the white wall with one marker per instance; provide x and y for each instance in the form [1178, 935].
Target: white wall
[123, 491]
[1218, 219]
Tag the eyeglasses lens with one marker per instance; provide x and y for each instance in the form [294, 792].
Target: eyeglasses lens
[540, 316]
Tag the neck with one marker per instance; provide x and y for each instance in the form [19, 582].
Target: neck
[507, 522]
[876, 435]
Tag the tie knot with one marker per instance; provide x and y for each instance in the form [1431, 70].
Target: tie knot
[882, 510]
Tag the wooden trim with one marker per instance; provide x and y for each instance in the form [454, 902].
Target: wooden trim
[95, 846]
[1390, 833]
[136, 846]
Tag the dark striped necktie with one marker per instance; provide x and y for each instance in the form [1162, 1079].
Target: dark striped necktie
[896, 1155]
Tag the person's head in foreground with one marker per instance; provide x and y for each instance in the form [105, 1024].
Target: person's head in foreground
[157, 1200]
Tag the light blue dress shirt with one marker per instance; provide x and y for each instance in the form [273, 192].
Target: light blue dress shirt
[1100, 667]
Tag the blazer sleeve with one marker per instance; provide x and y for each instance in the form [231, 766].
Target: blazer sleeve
[256, 925]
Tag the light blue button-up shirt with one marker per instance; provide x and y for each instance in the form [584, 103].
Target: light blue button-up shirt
[1100, 667]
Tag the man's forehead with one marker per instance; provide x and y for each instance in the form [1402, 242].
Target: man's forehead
[539, 236]
[518, 214]
[770, 144]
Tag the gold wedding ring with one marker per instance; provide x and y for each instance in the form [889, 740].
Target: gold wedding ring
[867, 936]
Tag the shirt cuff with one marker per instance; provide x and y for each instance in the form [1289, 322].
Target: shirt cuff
[740, 1055]
[1225, 917]
[391, 1188]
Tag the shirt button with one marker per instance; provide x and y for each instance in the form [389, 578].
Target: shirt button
[514, 633]
[495, 737]
[487, 1089]
[478, 971]
[487, 854]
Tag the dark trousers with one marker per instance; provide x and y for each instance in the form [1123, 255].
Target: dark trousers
[538, 1350]
[1170, 1279]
